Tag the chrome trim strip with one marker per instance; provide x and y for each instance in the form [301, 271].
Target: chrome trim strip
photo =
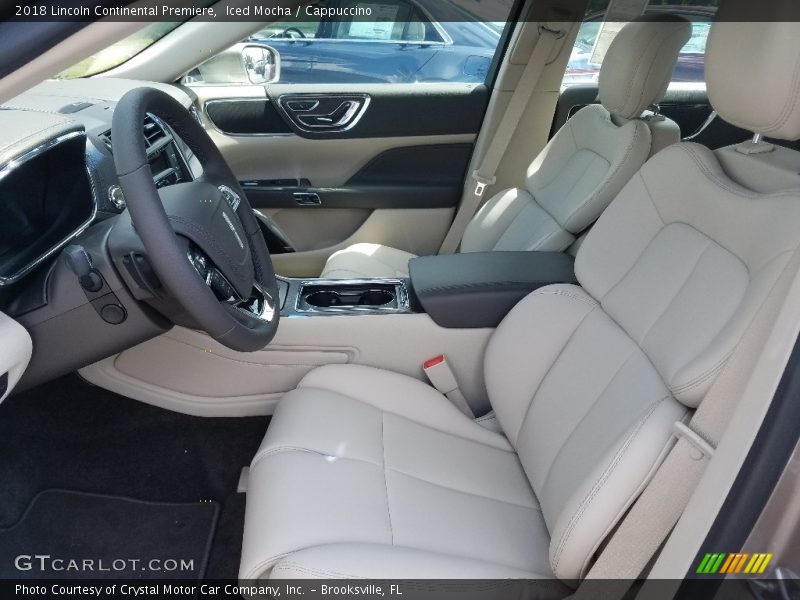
[23, 158]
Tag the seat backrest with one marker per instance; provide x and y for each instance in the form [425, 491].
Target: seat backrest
[593, 155]
[587, 381]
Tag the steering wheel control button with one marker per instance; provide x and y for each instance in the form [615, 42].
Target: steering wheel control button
[116, 197]
[221, 287]
[113, 314]
[232, 198]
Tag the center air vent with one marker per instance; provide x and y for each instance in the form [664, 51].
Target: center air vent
[155, 136]
[105, 137]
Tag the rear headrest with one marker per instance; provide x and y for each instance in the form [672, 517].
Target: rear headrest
[753, 66]
[639, 62]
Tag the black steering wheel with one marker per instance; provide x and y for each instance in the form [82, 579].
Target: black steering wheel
[289, 30]
[201, 238]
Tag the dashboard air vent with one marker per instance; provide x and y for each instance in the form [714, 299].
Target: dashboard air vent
[105, 137]
[154, 134]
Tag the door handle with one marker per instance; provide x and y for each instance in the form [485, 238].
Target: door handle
[340, 117]
[307, 199]
[323, 113]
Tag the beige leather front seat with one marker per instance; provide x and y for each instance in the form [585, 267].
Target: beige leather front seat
[580, 170]
[368, 473]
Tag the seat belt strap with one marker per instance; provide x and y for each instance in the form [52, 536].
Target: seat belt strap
[657, 510]
[484, 175]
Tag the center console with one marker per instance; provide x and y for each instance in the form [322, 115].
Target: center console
[321, 297]
[461, 291]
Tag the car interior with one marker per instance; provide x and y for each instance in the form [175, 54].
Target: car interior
[437, 331]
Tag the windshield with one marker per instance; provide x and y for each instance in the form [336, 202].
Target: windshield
[118, 53]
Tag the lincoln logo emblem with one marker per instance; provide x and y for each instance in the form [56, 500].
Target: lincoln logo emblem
[233, 229]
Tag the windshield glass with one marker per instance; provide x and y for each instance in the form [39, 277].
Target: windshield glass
[118, 53]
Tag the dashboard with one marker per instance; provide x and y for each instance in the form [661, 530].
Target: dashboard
[46, 198]
[60, 202]
[56, 180]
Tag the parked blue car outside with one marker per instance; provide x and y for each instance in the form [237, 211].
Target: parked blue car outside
[420, 41]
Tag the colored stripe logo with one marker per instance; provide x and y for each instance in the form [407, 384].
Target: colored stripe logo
[734, 562]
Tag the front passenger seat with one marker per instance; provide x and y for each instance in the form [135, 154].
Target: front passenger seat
[370, 474]
[580, 170]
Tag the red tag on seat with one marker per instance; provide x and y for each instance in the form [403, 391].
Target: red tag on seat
[436, 360]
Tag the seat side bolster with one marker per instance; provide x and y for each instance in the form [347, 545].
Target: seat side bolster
[596, 506]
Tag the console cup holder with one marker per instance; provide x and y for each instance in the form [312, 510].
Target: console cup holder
[346, 297]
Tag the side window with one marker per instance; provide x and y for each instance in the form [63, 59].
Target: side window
[595, 34]
[375, 41]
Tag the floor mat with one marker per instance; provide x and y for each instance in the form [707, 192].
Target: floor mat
[91, 535]
[71, 435]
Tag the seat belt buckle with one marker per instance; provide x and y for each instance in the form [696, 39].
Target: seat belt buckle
[682, 430]
[481, 183]
[442, 378]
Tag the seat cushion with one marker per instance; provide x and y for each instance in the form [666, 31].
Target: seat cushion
[336, 468]
[367, 261]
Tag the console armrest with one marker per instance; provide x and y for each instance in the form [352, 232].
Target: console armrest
[478, 289]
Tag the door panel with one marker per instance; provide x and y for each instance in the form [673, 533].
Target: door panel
[398, 110]
[392, 175]
[407, 177]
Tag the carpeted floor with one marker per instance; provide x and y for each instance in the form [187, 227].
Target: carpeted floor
[90, 536]
[70, 435]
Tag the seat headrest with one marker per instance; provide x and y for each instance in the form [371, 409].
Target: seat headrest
[753, 66]
[639, 63]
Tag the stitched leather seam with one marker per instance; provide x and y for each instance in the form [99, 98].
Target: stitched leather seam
[240, 362]
[260, 566]
[661, 43]
[42, 134]
[301, 450]
[629, 87]
[500, 234]
[599, 484]
[689, 148]
[613, 378]
[683, 285]
[588, 301]
[466, 493]
[423, 425]
[591, 196]
[789, 107]
[293, 566]
[702, 378]
[385, 478]
[612, 176]
[549, 237]
[512, 286]
[550, 368]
